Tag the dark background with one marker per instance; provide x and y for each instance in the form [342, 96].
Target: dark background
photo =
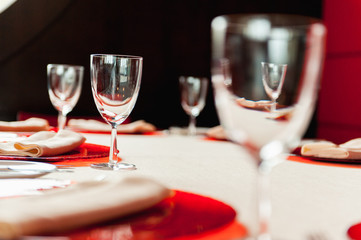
[173, 36]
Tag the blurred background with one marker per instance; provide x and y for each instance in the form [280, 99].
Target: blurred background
[173, 36]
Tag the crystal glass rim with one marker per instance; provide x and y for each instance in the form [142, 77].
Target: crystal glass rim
[278, 20]
[64, 65]
[117, 56]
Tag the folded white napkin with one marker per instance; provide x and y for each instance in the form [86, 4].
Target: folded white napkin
[76, 206]
[326, 149]
[43, 143]
[139, 126]
[29, 125]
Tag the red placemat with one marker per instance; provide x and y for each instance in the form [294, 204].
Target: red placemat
[214, 139]
[84, 151]
[354, 232]
[184, 216]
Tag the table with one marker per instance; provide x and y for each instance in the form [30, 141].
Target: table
[306, 197]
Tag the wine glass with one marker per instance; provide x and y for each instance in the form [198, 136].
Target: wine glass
[64, 87]
[240, 43]
[193, 98]
[115, 81]
[273, 76]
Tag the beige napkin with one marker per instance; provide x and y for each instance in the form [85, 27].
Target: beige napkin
[217, 132]
[281, 113]
[43, 143]
[259, 105]
[29, 125]
[326, 149]
[139, 126]
[76, 206]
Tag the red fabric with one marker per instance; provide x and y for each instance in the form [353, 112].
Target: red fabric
[339, 115]
[342, 19]
[86, 162]
[84, 155]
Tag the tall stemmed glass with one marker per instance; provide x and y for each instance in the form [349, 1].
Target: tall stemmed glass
[193, 98]
[240, 44]
[64, 87]
[273, 77]
[115, 81]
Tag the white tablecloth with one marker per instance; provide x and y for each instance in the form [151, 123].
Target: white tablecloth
[306, 197]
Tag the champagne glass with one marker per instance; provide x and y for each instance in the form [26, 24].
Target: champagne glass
[193, 98]
[64, 87]
[273, 76]
[115, 81]
[240, 43]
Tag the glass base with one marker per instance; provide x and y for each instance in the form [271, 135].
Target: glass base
[117, 166]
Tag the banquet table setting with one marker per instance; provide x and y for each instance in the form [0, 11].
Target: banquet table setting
[198, 173]
[251, 177]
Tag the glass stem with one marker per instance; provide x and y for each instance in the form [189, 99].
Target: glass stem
[192, 125]
[113, 153]
[264, 203]
[273, 105]
[61, 121]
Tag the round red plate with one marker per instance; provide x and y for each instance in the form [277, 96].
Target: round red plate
[354, 232]
[183, 216]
